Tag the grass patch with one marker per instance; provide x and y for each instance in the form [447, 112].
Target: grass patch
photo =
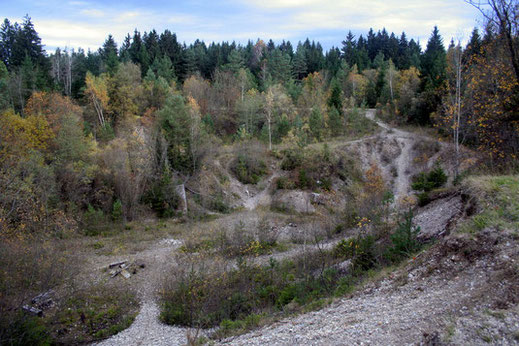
[93, 314]
[498, 200]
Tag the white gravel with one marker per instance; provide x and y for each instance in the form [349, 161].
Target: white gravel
[147, 330]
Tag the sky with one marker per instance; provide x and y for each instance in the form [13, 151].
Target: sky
[87, 23]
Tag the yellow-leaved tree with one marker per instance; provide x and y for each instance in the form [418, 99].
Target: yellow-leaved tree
[96, 91]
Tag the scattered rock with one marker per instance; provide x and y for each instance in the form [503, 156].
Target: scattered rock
[32, 310]
[171, 242]
[44, 300]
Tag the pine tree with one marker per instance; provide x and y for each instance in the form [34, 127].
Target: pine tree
[415, 53]
[164, 68]
[474, 44]
[7, 37]
[144, 59]
[169, 46]
[335, 122]
[335, 99]
[151, 41]
[434, 66]
[349, 47]
[279, 66]
[109, 55]
[235, 61]
[124, 51]
[403, 61]
[433, 62]
[188, 63]
[299, 68]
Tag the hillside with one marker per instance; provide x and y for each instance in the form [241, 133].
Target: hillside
[445, 293]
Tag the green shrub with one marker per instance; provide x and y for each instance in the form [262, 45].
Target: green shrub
[24, 330]
[117, 210]
[429, 181]
[404, 239]
[283, 183]
[326, 184]
[106, 133]
[94, 221]
[304, 181]
[423, 198]
[162, 196]
[217, 203]
[362, 251]
[292, 159]
[248, 169]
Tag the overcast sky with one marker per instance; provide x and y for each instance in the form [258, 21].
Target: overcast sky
[86, 23]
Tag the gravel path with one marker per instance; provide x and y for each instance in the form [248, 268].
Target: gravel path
[147, 329]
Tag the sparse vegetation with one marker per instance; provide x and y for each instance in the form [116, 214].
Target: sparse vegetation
[208, 294]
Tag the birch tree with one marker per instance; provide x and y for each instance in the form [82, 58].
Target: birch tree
[97, 93]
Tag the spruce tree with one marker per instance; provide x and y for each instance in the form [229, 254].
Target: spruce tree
[299, 67]
[335, 99]
[434, 63]
[109, 55]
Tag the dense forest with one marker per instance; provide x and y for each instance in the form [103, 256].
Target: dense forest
[114, 130]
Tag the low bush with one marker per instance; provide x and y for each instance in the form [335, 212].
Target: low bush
[94, 313]
[22, 329]
[236, 242]
[316, 169]
[162, 196]
[292, 159]
[248, 169]
[94, 221]
[117, 211]
[427, 181]
[284, 183]
[208, 297]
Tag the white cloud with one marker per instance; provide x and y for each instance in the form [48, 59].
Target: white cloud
[78, 3]
[414, 17]
[325, 20]
[93, 13]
